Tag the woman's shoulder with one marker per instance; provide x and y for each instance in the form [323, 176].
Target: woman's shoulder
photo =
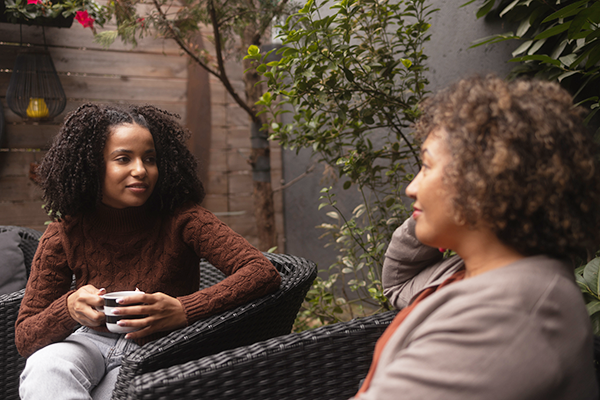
[192, 211]
[526, 286]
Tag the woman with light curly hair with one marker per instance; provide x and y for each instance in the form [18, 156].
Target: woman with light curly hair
[510, 181]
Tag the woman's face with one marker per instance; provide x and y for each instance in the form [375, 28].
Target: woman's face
[131, 171]
[433, 210]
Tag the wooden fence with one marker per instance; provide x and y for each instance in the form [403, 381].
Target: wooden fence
[155, 73]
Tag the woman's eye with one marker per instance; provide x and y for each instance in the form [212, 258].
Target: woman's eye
[122, 159]
[151, 160]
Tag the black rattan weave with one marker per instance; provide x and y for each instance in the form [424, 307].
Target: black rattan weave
[12, 363]
[325, 363]
[264, 318]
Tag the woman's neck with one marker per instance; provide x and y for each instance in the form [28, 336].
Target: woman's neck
[483, 252]
[130, 219]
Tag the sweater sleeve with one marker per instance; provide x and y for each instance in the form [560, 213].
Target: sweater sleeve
[410, 266]
[44, 317]
[249, 274]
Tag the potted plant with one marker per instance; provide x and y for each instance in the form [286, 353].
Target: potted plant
[58, 14]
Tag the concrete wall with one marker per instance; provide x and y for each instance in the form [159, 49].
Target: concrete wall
[450, 58]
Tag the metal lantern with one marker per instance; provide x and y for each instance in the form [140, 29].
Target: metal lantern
[34, 91]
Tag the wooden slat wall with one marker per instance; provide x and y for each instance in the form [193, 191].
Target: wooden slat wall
[154, 73]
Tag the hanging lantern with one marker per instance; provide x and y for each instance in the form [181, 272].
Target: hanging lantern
[34, 91]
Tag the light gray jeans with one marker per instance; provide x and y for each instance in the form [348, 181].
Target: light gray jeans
[82, 367]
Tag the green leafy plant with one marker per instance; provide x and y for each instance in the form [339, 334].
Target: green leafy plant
[352, 77]
[558, 40]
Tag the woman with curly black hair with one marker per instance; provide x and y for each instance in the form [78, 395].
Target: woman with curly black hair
[510, 181]
[122, 189]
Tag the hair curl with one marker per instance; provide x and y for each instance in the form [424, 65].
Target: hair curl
[72, 171]
[522, 162]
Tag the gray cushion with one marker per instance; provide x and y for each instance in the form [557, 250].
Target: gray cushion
[13, 276]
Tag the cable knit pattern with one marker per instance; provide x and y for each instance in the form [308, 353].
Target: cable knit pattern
[135, 247]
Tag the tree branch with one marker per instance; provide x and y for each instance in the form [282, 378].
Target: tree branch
[223, 75]
[180, 42]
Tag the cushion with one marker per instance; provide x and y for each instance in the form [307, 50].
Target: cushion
[13, 275]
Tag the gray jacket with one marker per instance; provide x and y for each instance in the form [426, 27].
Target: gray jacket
[517, 332]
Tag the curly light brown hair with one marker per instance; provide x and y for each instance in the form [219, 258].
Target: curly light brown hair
[72, 171]
[522, 162]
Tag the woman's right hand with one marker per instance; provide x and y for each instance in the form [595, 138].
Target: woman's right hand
[82, 305]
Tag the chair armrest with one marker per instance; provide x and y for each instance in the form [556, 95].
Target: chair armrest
[12, 363]
[326, 363]
[264, 318]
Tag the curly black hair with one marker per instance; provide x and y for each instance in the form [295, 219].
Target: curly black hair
[72, 171]
[522, 162]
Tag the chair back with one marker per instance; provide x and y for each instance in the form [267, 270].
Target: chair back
[324, 363]
[12, 363]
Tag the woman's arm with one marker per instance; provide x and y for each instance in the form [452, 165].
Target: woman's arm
[44, 317]
[410, 266]
[249, 274]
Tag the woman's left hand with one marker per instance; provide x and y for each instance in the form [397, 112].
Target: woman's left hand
[164, 313]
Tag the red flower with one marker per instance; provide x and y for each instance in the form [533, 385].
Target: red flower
[84, 19]
[34, 1]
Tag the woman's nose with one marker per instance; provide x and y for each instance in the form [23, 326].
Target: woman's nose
[411, 189]
[139, 169]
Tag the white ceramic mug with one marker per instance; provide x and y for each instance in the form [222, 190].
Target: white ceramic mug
[110, 304]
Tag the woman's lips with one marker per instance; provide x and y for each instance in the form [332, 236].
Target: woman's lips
[416, 213]
[138, 188]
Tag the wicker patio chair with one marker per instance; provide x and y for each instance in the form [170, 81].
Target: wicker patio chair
[324, 363]
[12, 363]
[264, 318]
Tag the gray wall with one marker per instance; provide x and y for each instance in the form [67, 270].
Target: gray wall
[450, 58]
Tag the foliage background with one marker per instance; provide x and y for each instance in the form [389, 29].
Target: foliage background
[353, 79]
[554, 40]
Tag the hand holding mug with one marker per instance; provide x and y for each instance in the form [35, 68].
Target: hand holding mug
[112, 305]
[161, 313]
[82, 306]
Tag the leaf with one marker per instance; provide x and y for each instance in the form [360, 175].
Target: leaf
[578, 22]
[522, 48]
[593, 307]
[536, 46]
[407, 63]
[565, 12]
[590, 274]
[555, 30]
[523, 27]
[253, 50]
[272, 249]
[333, 214]
[509, 7]
[568, 59]
[537, 57]
[485, 9]
[593, 58]
[347, 185]
[566, 75]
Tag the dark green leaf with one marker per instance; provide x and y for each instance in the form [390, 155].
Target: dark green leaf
[485, 8]
[566, 12]
[555, 30]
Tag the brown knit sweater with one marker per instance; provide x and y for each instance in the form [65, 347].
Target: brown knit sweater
[137, 248]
